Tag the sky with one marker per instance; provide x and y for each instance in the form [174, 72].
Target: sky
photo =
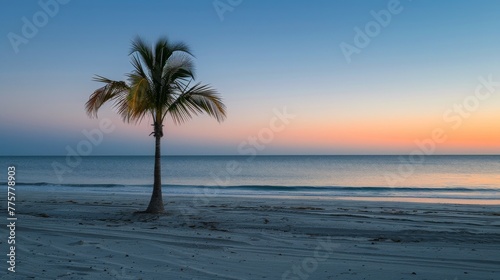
[297, 77]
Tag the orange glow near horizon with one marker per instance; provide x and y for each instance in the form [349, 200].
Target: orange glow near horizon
[474, 136]
[332, 133]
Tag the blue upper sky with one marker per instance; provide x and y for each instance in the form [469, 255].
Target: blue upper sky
[262, 56]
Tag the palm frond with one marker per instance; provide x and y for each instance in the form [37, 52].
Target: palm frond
[139, 69]
[113, 90]
[197, 100]
[140, 99]
[179, 66]
[165, 48]
[144, 50]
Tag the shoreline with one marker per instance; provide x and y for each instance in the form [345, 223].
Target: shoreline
[204, 193]
[74, 235]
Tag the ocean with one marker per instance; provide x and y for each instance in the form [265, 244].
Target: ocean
[474, 179]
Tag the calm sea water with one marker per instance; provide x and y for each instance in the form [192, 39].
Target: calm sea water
[463, 177]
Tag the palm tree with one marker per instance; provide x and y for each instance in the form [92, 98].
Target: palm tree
[159, 85]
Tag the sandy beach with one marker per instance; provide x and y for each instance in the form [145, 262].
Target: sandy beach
[75, 235]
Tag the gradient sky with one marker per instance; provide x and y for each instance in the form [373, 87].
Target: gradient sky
[263, 56]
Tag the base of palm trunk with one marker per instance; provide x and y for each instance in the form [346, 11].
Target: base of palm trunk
[155, 207]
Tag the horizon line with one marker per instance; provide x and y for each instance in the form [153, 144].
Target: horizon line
[238, 155]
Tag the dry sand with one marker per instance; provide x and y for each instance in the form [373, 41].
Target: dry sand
[70, 235]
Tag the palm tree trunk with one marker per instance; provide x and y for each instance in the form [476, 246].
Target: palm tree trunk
[156, 202]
